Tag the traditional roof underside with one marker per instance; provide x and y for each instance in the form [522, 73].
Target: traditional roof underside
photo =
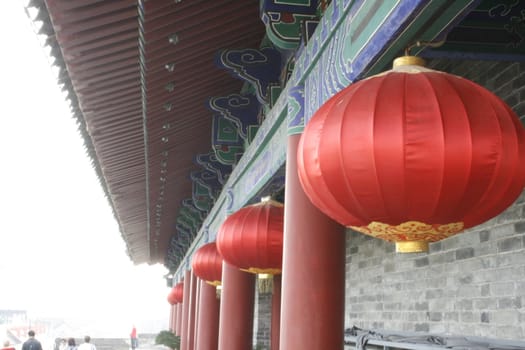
[142, 74]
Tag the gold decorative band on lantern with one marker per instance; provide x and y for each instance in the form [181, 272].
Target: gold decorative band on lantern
[214, 283]
[256, 270]
[410, 231]
[412, 247]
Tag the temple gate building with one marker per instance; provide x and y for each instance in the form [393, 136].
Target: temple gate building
[193, 111]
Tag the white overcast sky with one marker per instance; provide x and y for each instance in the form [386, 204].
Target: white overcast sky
[61, 252]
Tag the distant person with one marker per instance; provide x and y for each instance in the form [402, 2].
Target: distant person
[71, 344]
[63, 344]
[31, 343]
[134, 340]
[8, 346]
[86, 345]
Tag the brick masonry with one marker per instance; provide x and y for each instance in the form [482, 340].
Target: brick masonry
[470, 284]
[262, 320]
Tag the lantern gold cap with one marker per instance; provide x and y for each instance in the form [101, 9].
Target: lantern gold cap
[412, 247]
[409, 61]
[270, 200]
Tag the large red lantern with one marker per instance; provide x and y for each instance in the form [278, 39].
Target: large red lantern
[412, 156]
[207, 264]
[176, 293]
[252, 238]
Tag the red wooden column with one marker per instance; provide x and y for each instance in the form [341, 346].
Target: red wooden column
[208, 319]
[276, 313]
[197, 308]
[313, 278]
[176, 320]
[171, 324]
[191, 313]
[185, 311]
[236, 315]
[173, 317]
[178, 325]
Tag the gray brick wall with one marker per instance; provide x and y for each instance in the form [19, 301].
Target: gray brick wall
[262, 320]
[470, 284]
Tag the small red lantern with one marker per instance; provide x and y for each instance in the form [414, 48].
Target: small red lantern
[207, 264]
[252, 238]
[412, 156]
[176, 293]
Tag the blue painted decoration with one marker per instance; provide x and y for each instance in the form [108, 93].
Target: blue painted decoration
[295, 110]
[210, 162]
[259, 67]
[284, 19]
[242, 110]
[226, 142]
[205, 189]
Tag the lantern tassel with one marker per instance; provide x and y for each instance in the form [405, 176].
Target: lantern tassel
[265, 283]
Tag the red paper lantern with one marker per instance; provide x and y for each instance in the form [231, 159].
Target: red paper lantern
[176, 293]
[413, 156]
[207, 264]
[252, 238]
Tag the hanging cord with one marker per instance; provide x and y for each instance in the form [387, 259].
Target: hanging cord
[424, 44]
